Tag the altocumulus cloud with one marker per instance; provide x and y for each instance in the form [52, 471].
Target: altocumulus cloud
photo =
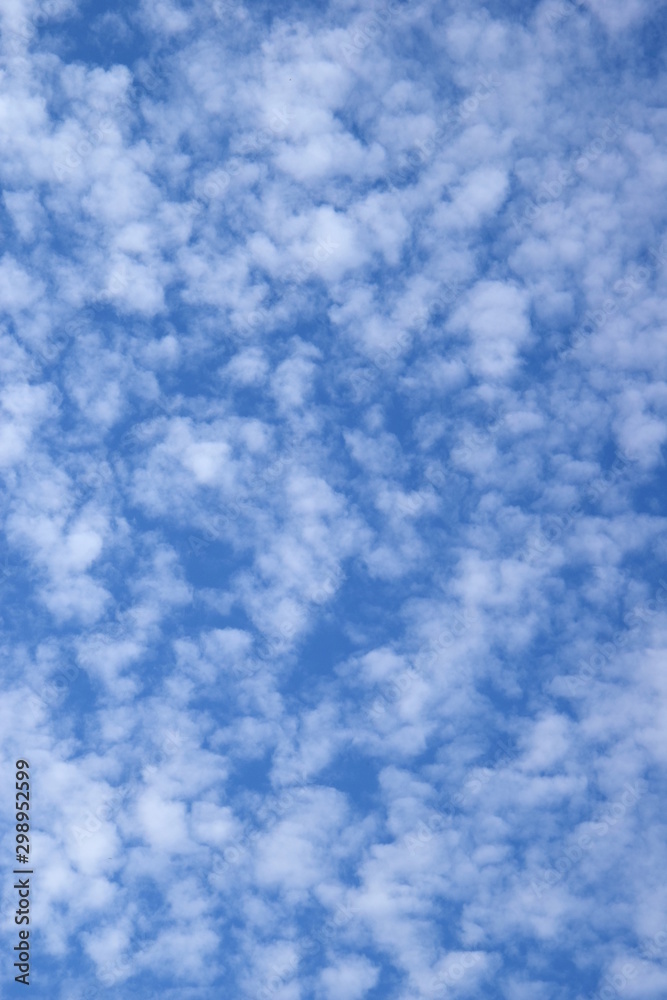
[333, 411]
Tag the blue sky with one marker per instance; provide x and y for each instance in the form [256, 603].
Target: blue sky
[334, 566]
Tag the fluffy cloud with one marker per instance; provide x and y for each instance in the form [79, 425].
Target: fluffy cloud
[332, 432]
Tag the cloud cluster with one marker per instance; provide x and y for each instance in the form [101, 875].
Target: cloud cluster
[333, 398]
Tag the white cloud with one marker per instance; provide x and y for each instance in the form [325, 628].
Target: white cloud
[308, 428]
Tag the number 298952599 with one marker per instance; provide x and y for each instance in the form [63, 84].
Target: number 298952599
[22, 811]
